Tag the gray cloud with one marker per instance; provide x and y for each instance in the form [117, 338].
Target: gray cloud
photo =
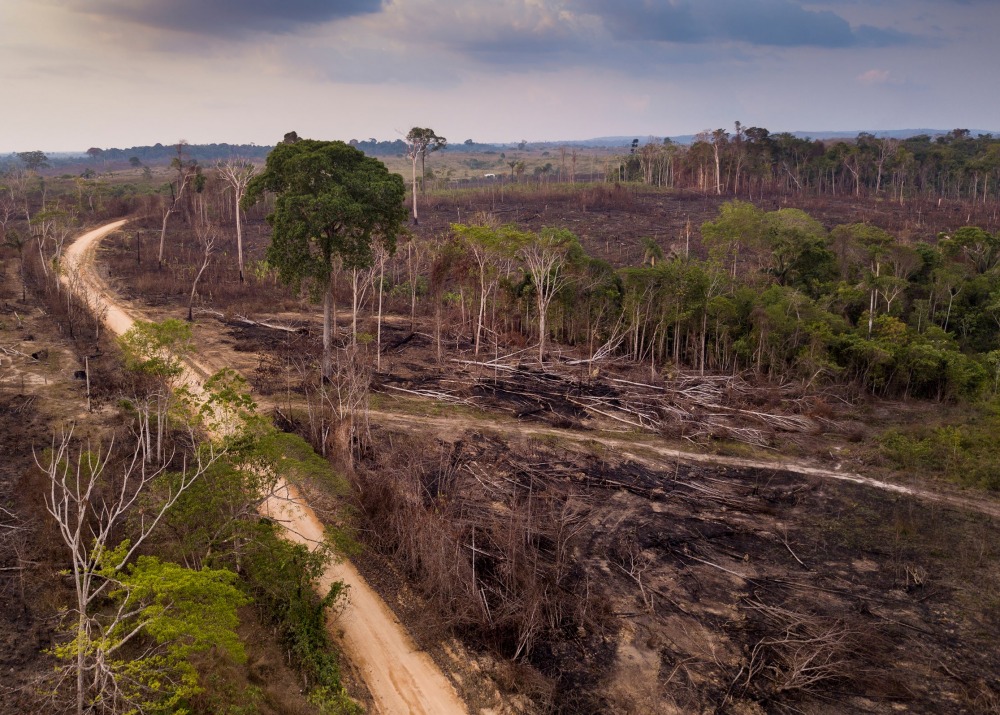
[518, 36]
[774, 23]
[229, 18]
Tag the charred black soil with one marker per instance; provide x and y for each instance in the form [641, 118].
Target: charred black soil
[685, 589]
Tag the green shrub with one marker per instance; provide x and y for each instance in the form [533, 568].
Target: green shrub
[962, 453]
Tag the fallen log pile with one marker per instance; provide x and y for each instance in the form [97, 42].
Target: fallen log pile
[695, 407]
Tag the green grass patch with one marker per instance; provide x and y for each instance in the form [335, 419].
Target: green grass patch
[963, 452]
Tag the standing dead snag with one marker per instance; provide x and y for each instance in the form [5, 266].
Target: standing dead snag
[206, 237]
[420, 141]
[237, 173]
[183, 181]
[546, 259]
[381, 257]
[416, 257]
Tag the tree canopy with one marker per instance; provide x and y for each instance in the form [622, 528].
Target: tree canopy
[331, 202]
[332, 205]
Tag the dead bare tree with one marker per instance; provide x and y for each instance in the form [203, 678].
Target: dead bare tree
[206, 237]
[89, 506]
[336, 404]
[183, 180]
[419, 141]
[545, 259]
[237, 172]
[17, 180]
[14, 538]
[14, 239]
[416, 257]
[381, 258]
[361, 281]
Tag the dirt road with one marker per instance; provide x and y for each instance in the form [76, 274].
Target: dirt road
[81, 277]
[658, 456]
[401, 678]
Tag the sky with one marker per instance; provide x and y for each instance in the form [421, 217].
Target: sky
[76, 74]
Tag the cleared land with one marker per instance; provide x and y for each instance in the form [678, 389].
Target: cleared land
[588, 565]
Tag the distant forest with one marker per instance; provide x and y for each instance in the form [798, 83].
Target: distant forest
[753, 161]
[746, 162]
[160, 153]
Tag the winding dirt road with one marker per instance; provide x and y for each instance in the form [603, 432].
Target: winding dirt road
[400, 677]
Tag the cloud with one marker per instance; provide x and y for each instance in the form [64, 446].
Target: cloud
[772, 23]
[504, 36]
[227, 18]
[873, 77]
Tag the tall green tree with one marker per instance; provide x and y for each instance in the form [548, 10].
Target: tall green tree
[876, 244]
[332, 205]
[737, 235]
[799, 254]
[33, 160]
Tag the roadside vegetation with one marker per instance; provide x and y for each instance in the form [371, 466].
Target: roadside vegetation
[133, 501]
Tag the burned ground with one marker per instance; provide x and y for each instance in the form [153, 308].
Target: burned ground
[687, 589]
[611, 221]
[28, 596]
[661, 586]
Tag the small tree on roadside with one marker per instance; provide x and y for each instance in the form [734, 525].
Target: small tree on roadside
[154, 351]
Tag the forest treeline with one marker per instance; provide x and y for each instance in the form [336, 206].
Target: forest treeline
[750, 161]
[746, 162]
[772, 292]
